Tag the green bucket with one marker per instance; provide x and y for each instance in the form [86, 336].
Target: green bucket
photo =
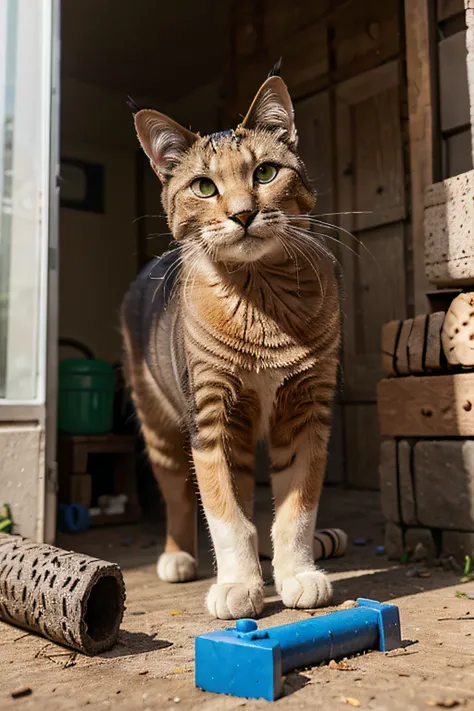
[86, 396]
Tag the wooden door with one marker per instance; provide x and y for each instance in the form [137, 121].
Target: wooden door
[314, 131]
[153, 233]
[370, 187]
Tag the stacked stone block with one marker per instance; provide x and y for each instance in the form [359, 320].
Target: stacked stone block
[426, 400]
[427, 489]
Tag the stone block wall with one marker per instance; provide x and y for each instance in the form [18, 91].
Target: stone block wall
[427, 492]
[449, 231]
[426, 415]
[426, 401]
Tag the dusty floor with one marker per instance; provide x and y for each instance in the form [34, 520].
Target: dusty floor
[152, 667]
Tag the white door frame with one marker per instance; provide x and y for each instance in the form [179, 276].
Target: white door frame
[41, 410]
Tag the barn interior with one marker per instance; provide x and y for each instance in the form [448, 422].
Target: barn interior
[346, 67]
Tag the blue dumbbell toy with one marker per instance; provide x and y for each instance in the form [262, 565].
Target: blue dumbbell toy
[248, 662]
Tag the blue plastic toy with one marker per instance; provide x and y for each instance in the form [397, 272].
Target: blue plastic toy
[245, 661]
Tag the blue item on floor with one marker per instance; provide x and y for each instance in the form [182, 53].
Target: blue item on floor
[248, 662]
[73, 518]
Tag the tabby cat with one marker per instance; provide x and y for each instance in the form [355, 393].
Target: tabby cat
[231, 338]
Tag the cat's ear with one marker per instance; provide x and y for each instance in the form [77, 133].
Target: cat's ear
[272, 109]
[163, 140]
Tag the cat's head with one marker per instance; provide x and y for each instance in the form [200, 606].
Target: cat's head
[232, 194]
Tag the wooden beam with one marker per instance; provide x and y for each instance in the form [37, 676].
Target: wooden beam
[401, 356]
[441, 406]
[422, 121]
[390, 336]
[416, 344]
[434, 359]
[413, 346]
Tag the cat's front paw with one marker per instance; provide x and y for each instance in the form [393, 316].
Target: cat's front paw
[178, 567]
[232, 601]
[305, 590]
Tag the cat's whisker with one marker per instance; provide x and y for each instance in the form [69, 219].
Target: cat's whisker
[154, 235]
[166, 276]
[308, 234]
[321, 249]
[291, 254]
[337, 228]
[348, 212]
[301, 248]
[194, 260]
[233, 271]
[291, 236]
[185, 249]
[169, 274]
[144, 217]
[193, 272]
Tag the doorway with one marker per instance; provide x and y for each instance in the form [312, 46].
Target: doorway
[111, 220]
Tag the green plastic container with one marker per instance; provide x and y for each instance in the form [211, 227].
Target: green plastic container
[86, 396]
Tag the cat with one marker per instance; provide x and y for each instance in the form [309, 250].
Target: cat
[231, 338]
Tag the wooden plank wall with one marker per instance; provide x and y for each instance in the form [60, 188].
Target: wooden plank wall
[343, 62]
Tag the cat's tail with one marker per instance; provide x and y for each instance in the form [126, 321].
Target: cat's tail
[329, 543]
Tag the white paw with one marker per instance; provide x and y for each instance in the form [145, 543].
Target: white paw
[306, 590]
[179, 567]
[231, 601]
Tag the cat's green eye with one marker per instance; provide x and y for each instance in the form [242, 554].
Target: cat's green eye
[265, 173]
[204, 187]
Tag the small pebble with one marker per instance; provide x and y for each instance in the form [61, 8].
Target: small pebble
[380, 550]
[149, 544]
[420, 553]
[176, 699]
[20, 693]
[360, 541]
[348, 604]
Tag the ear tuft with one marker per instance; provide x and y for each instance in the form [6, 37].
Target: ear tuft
[272, 109]
[133, 106]
[163, 140]
[275, 70]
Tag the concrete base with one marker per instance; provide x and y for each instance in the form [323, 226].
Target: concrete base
[22, 476]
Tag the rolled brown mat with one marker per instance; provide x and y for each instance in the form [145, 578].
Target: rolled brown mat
[68, 597]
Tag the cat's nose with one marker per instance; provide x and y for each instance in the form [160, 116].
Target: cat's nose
[244, 217]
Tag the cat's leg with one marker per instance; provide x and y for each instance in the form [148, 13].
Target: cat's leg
[169, 455]
[223, 453]
[178, 562]
[299, 437]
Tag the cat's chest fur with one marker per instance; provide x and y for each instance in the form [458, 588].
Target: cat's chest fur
[267, 324]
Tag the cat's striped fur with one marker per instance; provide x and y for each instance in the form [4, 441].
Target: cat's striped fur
[232, 338]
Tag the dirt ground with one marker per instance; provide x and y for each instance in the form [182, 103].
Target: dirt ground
[152, 666]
